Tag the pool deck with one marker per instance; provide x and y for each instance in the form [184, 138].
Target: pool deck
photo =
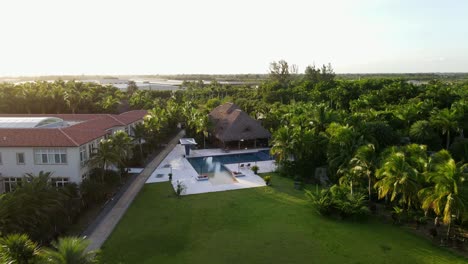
[183, 171]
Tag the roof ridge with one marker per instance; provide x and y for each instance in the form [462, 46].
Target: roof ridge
[116, 119]
[71, 139]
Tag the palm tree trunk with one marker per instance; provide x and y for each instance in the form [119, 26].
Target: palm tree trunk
[448, 139]
[448, 228]
[141, 148]
[370, 182]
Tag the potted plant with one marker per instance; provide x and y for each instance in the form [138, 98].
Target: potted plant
[180, 188]
[297, 183]
[267, 180]
[255, 169]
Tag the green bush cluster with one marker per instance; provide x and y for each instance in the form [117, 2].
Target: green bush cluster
[338, 200]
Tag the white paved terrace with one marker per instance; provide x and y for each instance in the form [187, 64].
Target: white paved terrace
[183, 171]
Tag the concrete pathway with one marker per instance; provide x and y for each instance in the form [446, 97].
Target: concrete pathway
[109, 222]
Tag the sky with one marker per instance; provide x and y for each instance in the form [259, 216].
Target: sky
[58, 37]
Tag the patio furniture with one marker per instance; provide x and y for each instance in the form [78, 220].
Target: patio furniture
[202, 177]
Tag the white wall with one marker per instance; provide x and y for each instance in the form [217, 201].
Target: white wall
[10, 167]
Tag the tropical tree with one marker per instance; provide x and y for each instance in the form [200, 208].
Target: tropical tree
[19, 249]
[283, 143]
[104, 156]
[322, 117]
[422, 131]
[446, 120]
[139, 134]
[122, 144]
[448, 193]
[397, 178]
[155, 121]
[342, 144]
[362, 164]
[70, 250]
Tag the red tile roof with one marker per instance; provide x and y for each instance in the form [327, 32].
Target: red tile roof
[91, 126]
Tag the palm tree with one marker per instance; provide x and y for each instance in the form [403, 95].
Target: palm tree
[104, 156]
[322, 116]
[398, 178]
[156, 120]
[19, 249]
[446, 120]
[70, 250]
[446, 195]
[362, 163]
[123, 146]
[422, 131]
[72, 96]
[139, 134]
[343, 142]
[283, 144]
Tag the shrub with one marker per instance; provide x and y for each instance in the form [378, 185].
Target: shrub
[267, 180]
[322, 201]
[339, 200]
[170, 176]
[255, 169]
[353, 206]
[180, 188]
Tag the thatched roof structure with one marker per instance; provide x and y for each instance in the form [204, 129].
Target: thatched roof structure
[233, 124]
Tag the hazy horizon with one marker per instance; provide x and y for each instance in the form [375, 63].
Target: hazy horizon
[86, 37]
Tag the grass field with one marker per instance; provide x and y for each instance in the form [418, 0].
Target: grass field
[260, 225]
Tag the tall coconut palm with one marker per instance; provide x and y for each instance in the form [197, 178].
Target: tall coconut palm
[70, 250]
[399, 179]
[448, 193]
[446, 120]
[19, 249]
[104, 156]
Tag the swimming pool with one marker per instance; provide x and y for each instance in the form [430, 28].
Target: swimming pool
[261, 155]
[213, 166]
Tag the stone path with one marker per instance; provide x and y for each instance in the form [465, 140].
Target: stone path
[110, 221]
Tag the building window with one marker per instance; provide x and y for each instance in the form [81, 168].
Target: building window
[50, 156]
[83, 155]
[91, 148]
[11, 183]
[59, 181]
[20, 158]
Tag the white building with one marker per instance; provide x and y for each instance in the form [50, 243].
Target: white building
[57, 143]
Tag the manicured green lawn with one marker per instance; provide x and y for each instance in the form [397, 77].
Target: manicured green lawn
[259, 225]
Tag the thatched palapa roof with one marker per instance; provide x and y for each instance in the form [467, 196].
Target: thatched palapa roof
[233, 124]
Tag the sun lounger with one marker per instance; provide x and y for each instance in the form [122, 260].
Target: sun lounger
[202, 177]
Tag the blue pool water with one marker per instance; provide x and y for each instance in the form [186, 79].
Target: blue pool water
[213, 166]
[262, 155]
